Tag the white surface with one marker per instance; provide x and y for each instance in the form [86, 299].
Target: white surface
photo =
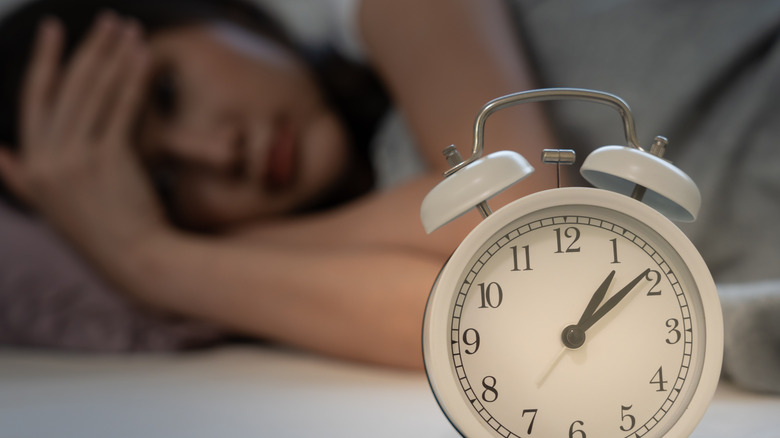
[257, 392]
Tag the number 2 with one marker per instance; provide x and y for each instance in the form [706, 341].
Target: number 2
[657, 279]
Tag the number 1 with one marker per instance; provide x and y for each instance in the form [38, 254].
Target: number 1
[614, 251]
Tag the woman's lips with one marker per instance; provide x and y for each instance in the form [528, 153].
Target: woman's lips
[281, 166]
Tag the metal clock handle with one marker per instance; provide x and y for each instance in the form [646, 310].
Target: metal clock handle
[543, 95]
[629, 170]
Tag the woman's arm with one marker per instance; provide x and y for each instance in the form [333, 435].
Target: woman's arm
[358, 303]
[443, 60]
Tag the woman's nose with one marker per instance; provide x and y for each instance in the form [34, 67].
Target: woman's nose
[215, 147]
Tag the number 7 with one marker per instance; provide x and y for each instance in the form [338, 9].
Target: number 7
[533, 417]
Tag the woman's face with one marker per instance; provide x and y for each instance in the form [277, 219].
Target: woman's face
[235, 128]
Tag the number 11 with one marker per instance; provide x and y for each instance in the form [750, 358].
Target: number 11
[527, 252]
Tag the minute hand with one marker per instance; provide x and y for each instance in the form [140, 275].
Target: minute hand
[612, 302]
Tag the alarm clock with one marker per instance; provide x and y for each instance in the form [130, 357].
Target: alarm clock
[572, 312]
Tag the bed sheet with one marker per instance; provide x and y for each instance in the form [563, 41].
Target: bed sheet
[250, 391]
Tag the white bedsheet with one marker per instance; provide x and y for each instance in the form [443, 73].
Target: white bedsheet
[255, 392]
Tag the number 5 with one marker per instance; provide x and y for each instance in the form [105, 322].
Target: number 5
[631, 419]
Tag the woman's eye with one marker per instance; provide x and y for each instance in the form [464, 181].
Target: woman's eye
[163, 94]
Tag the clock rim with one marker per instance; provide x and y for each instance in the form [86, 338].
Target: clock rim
[436, 353]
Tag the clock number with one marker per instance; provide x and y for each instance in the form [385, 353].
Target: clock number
[572, 233]
[614, 251]
[533, 418]
[490, 394]
[527, 252]
[658, 379]
[492, 295]
[577, 432]
[656, 277]
[473, 343]
[672, 325]
[631, 419]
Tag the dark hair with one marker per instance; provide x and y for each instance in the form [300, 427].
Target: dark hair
[352, 90]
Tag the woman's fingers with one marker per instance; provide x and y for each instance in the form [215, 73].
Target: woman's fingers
[113, 77]
[41, 80]
[79, 78]
[123, 112]
[70, 109]
[75, 118]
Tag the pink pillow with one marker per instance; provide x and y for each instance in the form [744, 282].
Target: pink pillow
[50, 297]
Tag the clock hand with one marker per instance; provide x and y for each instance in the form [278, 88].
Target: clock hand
[596, 299]
[548, 369]
[612, 302]
[573, 336]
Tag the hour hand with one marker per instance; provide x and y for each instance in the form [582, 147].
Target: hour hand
[573, 336]
[612, 302]
[597, 298]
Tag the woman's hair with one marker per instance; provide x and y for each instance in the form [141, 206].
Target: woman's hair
[351, 89]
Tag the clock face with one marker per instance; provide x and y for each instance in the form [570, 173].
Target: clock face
[575, 320]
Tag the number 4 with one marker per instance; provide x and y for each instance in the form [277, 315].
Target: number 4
[658, 379]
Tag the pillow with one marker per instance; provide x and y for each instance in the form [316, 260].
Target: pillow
[752, 340]
[50, 297]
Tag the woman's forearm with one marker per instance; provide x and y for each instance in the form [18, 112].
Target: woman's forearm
[361, 303]
[385, 218]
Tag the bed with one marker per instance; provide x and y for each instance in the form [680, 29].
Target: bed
[257, 391]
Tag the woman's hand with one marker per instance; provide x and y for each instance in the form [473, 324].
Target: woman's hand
[75, 164]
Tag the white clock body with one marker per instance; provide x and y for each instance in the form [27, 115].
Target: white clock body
[495, 321]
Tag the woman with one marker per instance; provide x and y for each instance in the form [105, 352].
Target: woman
[248, 141]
